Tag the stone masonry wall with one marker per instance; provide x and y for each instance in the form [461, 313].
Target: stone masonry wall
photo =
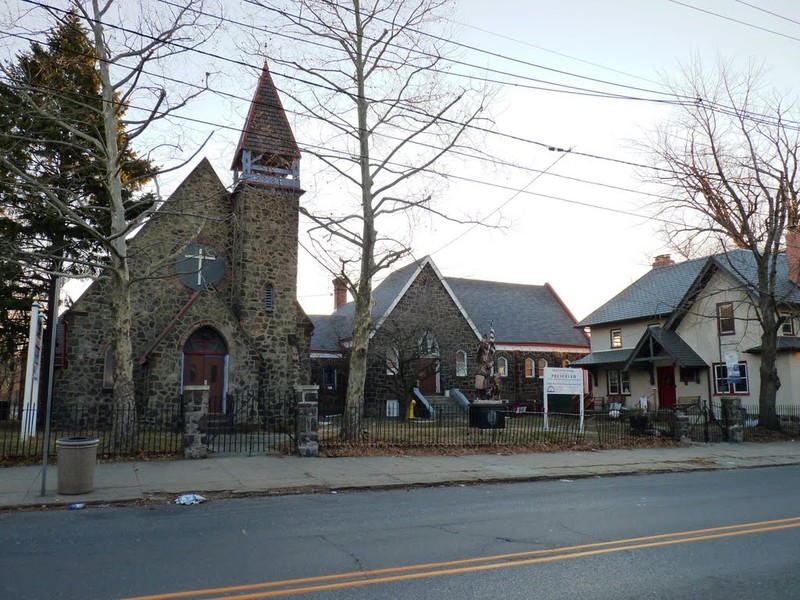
[427, 306]
[265, 236]
[260, 353]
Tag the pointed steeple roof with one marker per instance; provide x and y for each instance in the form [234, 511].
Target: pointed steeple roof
[267, 136]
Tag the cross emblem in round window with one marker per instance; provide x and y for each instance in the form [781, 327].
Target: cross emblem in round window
[199, 266]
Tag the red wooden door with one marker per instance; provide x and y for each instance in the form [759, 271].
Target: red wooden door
[428, 375]
[666, 386]
[206, 369]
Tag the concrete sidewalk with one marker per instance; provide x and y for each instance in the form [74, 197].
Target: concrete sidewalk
[121, 482]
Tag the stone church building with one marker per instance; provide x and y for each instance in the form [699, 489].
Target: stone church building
[214, 298]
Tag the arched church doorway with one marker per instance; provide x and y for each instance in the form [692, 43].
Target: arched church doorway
[205, 361]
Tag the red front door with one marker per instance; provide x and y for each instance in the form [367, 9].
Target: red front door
[666, 386]
[429, 376]
[206, 369]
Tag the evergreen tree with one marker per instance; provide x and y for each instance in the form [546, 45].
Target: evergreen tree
[50, 110]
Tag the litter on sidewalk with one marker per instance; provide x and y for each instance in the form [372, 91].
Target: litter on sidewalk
[187, 499]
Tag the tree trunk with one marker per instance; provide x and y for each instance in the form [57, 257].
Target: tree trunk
[768, 371]
[362, 321]
[124, 434]
[770, 383]
[354, 404]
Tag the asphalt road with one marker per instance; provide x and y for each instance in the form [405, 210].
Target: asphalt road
[728, 534]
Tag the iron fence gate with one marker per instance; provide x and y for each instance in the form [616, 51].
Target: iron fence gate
[254, 424]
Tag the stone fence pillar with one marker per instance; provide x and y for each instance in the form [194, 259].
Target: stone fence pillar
[195, 421]
[307, 429]
[732, 419]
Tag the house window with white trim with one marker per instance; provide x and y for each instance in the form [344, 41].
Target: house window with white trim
[461, 363]
[726, 324]
[542, 366]
[502, 366]
[329, 378]
[619, 382]
[392, 361]
[616, 338]
[530, 369]
[789, 326]
[737, 383]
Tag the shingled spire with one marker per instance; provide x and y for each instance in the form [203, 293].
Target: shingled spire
[267, 152]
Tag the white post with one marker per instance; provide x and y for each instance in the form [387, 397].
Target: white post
[31, 395]
[545, 408]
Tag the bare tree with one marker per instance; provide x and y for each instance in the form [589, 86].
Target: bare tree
[375, 81]
[729, 161]
[130, 45]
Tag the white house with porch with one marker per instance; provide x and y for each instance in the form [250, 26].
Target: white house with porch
[688, 331]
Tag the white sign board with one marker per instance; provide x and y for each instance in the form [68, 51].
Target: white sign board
[563, 381]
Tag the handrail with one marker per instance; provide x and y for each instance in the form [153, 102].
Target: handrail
[459, 397]
[421, 397]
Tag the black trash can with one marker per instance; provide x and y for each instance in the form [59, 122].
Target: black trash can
[76, 458]
[487, 416]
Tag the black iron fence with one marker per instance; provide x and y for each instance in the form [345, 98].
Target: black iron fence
[452, 426]
[254, 424]
[147, 432]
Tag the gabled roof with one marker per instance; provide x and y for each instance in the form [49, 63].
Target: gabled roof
[741, 265]
[660, 343]
[388, 293]
[656, 294]
[522, 314]
[664, 290]
[267, 133]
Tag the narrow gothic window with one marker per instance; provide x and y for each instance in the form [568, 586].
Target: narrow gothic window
[542, 366]
[502, 366]
[529, 368]
[268, 303]
[461, 363]
[392, 361]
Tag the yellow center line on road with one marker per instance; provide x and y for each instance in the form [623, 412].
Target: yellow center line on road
[472, 565]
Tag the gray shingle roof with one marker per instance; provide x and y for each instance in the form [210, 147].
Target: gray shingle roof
[328, 331]
[672, 345]
[785, 344]
[657, 293]
[386, 292]
[741, 265]
[604, 357]
[521, 313]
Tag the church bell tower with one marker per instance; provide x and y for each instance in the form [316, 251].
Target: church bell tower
[265, 206]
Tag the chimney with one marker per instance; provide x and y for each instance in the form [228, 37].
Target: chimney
[662, 260]
[339, 293]
[793, 254]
